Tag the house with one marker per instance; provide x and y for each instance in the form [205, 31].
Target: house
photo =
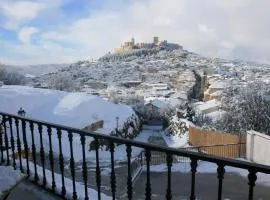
[214, 91]
[208, 107]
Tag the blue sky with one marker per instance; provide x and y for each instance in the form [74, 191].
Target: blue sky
[60, 31]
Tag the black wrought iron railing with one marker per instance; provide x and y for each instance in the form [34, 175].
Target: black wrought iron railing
[31, 145]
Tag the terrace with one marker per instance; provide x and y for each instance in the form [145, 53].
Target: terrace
[23, 144]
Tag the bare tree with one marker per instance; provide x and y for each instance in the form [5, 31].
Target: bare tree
[10, 77]
[63, 82]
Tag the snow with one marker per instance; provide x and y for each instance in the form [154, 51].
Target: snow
[9, 177]
[207, 167]
[72, 109]
[178, 139]
[120, 151]
[158, 103]
[217, 85]
[216, 115]
[175, 141]
[207, 105]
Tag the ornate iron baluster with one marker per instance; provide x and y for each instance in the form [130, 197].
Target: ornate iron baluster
[252, 177]
[34, 150]
[129, 178]
[61, 162]
[169, 165]
[221, 172]
[49, 129]
[98, 178]
[19, 144]
[193, 165]
[148, 183]
[25, 146]
[12, 142]
[42, 154]
[84, 167]
[6, 138]
[1, 144]
[113, 181]
[72, 164]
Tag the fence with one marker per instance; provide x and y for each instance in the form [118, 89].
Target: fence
[258, 147]
[224, 150]
[15, 128]
[218, 143]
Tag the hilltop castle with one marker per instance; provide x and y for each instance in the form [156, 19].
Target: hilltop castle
[130, 45]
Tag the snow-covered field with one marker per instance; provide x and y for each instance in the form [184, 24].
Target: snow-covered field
[71, 109]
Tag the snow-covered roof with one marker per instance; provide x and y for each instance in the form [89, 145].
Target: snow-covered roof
[216, 115]
[217, 93]
[208, 104]
[158, 103]
[218, 85]
[72, 109]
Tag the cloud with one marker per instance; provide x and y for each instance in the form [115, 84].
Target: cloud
[17, 12]
[230, 29]
[25, 34]
[205, 29]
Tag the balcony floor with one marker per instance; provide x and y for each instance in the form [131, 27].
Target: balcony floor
[27, 190]
[235, 187]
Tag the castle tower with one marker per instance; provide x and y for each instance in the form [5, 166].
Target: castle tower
[155, 40]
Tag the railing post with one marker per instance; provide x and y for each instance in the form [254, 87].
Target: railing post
[84, 167]
[42, 154]
[221, 172]
[98, 179]
[61, 162]
[49, 129]
[113, 182]
[6, 138]
[1, 143]
[19, 144]
[193, 165]
[148, 183]
[169, 165]
[12, 142]
[252, 177]
[72, 164]
[129, 178]
[34, 150]
[25, 146]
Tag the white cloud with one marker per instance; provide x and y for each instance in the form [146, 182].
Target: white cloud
[26, 33]
[205, 29]
[17, 12]
[211, 27]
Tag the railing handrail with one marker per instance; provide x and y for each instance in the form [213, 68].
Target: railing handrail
[215, 145]
[180, 152]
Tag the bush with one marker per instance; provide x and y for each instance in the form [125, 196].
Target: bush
[64, 82]
[11, 78]
[248, 108]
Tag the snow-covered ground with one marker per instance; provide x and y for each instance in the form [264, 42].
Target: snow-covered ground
[8, 178]
[206, 167]
[72, 109]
